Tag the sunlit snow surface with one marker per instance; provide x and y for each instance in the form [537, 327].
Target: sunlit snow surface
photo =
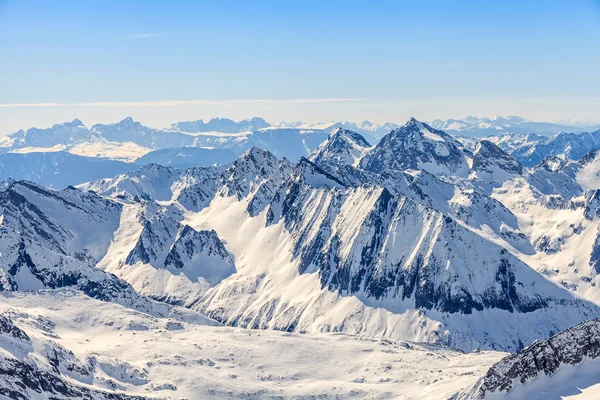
[244, 244]
[156, 357]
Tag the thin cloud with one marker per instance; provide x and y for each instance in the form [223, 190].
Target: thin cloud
[451, 65]
[143, 35]
[177, 103]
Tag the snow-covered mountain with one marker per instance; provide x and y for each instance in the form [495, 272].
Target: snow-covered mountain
[54, 239]
[196, 143]
[70, 154]
[418, 239]
[224, 125]
[342, 147]
[370, 130]
[417, 146]
[481, 127]
[59, 169]
[186, 157]
[129, 130]
[399, 245]
[490, 163]
[549, 368]
[532, 149]
[59, 134]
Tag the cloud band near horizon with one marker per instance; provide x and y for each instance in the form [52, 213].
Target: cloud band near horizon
[176, 103]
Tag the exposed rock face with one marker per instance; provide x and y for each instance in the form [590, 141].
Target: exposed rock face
[532, 149]
[202, 254]
[22, 376]
[257, 173]
[490, 163]
[391, 240]
[398, 249]
[54, 239]
[20, 379]
[41, 250]
[417, 146]
[251, 170]
[544, 357]
[342, 147]
[11, 331]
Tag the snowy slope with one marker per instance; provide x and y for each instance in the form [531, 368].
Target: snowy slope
[274, 289]
[163, 258]
[588, 175]
[564, 365]
[99, 346]
[186, 157]
[54, 239]
[401, 241]
[382, 251]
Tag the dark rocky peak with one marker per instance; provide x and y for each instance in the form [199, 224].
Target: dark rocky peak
[154, 170]
[543, 357]
[347, 135]
[417, 146]
[253, 162]
[251, 170]
[307, 172]
[200, 254]
[491, 159]
[552, 164]
[9, 329]
[592, 203]
[342, 147]
[589, 157]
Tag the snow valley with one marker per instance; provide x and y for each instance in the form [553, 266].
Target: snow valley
[228, 259]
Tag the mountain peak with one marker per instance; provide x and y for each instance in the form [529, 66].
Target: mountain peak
[413, 122]
[348, 135]
[342, 147]
[491, 163]
[417, 146]
[127, 120]
[312, 174]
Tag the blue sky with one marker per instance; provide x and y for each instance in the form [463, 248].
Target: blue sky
[162, 61]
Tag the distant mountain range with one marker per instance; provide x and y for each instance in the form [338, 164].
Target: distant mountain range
[481, 127]
[71, 153]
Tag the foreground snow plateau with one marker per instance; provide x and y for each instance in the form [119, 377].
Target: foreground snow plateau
[124, 351]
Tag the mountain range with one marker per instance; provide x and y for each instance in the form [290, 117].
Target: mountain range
[421, 247]
[70, 153]
[481, 127]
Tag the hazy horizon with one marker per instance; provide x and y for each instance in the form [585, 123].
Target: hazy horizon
[161, 63]
[48, 116]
